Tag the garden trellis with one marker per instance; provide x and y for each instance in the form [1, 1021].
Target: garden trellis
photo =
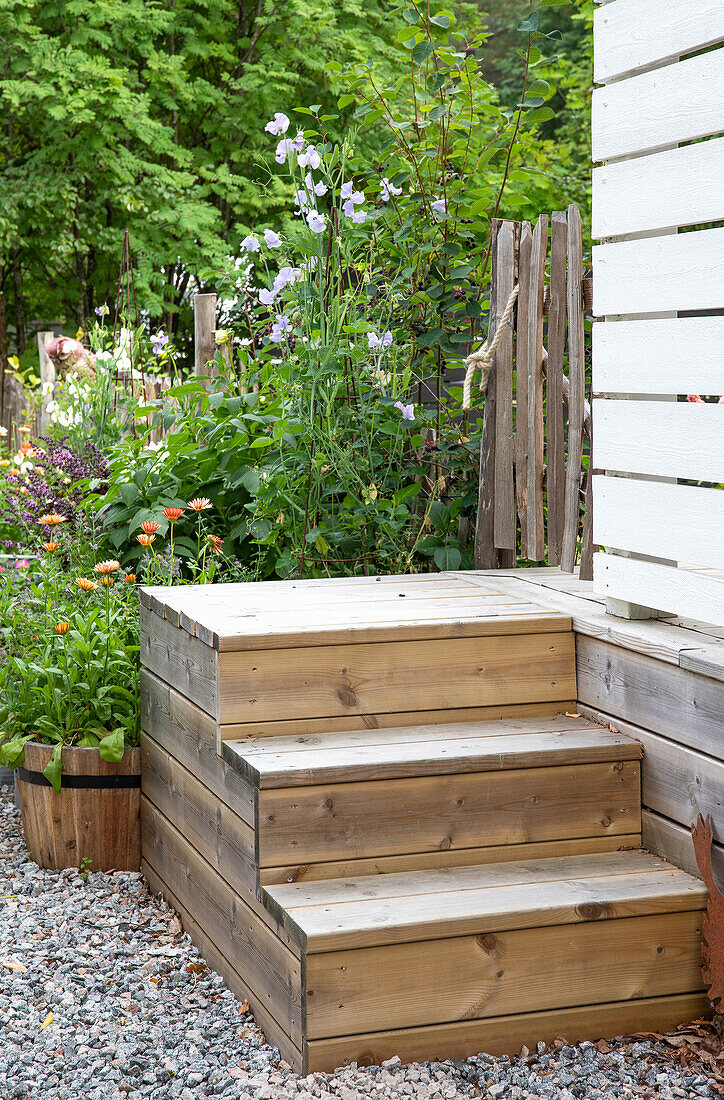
[658, 365]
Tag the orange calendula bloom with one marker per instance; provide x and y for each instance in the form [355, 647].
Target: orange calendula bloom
[146, 540]
[24, 490]
[200, 503]
[51, 519]
[85, 584]
[130, 578]
[149, 526]
[4, 461]
[216, 544]
[107, 581]
[25, 430]
[107, 566]
[173, 513]
[51, 547]
[62, 628]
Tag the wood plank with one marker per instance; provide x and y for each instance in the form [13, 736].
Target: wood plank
[332, 821]
[463, 857]
[663, 190]
[634, 115]
[673, 842]
[180, 660]
[708, 661]
[555, 453]
[364, 679]
[343, 926]
[219, 835]
[681, 271]
[506, 1034]
[676, 591]
[271, 970]
[446, 757]
[521, 382]
[649, 693]
[663, 438]
[484, 551]
[661, 519]
[505, 527]
[577, 392]
[493, 974]
[536, 546]
[633, 34]
[189, 735]
[218, 962]
[665, 356]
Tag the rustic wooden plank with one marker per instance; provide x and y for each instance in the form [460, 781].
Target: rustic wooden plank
[521, 382]
[673, 842]
[485, 553]
[555, 453]
[536, 544]
[709, 661]
[271, 970]
[190, 735]
[506, 1034]
[180, 660]
[331, 821]
[479, 976]
[634, 115]
[674, 188]
[650, 693]
[661, 519]
[663, 438]
[588, 548]
[577, 390]
[504, 502]
[681, 271]
[364, 679]
[218, 962]
[664, 587]
[463, 857]
[669, 355]
[632, 34]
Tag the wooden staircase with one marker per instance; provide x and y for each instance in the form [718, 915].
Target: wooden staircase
[382, 819]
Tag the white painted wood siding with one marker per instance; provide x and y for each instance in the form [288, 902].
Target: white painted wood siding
[633, 34]
[678, 355]
[675, 591]
[659, 438]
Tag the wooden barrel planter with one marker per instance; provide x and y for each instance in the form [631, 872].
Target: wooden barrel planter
[94, 822]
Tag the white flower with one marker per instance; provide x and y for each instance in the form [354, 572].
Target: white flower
[303, 201]
[310, 158]
[250, 243]
[299, 140]
[285, 276]
[378, 343]
[388, 189]
[319, 187]
[346, 190]
[316, 222]
[278, 125]
[266, 297]
[358, 216]
[272, 239]
[355, 199]
[283, 149]
[439, 208]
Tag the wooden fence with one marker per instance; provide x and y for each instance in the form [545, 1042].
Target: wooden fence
[658, 363]
[537, 422]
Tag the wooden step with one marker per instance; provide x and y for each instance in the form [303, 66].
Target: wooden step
[395, 955]
[435, 790]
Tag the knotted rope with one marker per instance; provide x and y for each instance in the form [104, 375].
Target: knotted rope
[482, 360]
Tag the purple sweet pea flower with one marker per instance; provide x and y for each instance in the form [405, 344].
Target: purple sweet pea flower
[379, 343]
[408, 411]
[278, 125]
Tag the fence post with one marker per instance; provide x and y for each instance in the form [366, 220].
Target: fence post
[47, 380]
[204, 335]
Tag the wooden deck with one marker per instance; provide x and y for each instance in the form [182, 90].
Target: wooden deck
[384, 819]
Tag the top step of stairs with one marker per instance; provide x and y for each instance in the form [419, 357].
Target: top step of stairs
[289, 614]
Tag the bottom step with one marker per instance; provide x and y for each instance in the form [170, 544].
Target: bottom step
[449, 962]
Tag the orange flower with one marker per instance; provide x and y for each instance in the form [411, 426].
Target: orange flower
[107, 581]
[107, 566]
[85, 584]
[51, 546]
[173, 513]
[14, 471]
[146, 540]
[130, 578]
[149, 526]
[51, 519]
[216, 544]
[24, 490]
[61, 628]
[4, 461]
[25, 430]
[200, 503]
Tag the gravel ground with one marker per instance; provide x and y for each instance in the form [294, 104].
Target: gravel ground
[102, 996]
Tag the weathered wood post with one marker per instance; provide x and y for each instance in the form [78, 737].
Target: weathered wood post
[47, 381]
[204, 335]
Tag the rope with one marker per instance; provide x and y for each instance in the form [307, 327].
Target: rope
[482, 360]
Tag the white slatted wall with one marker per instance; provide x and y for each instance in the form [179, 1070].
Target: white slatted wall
[658, 211]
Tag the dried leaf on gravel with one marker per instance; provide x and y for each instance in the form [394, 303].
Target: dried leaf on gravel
[48, 1020]
[175, 927]
[197, 968]
[17, 968]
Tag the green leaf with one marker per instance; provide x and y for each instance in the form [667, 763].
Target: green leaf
[54, 767]
[447, 557]
[530, 24]
[421, 52]
[344, 101]
[113, 746]
[410, 15]
[440, 21]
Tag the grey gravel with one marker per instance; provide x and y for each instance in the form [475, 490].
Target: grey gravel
[136, 1014]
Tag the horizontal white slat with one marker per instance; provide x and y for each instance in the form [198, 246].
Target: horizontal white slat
[630, 34]
[676, 103]
[663, 438]
[669, 356]
[677, 187]
[680, 592]
[657, 274]
[660, 519]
